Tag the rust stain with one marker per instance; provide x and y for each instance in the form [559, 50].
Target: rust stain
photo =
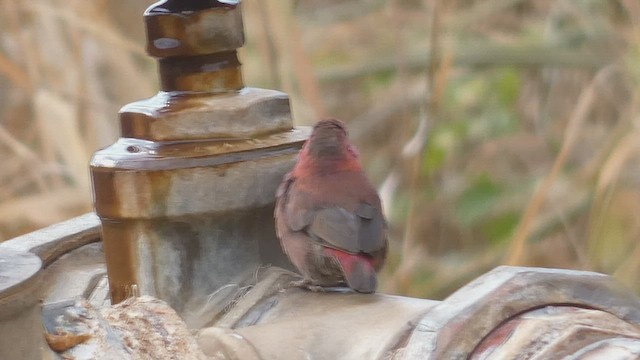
[159, 185]
[224, 80]
[120, 249]
[213, 73]
[195, 43]
[159, 118]
[104, 191]
[180, 28]
[168, 155]
[63, 341]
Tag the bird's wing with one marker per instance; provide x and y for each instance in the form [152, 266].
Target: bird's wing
[362, 231]
[337, 227]
[372, 232]
[293, 205]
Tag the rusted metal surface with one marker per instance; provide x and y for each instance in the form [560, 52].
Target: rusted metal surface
[187, 28]
[454, 328]
[140, 328]
[56, 264]
[509, 313]
[264, 318]
[196, 44]
[185, 201]
[20, 283]
[186, 195]
[228, 118]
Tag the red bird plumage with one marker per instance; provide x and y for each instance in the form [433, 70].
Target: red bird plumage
[328, 215]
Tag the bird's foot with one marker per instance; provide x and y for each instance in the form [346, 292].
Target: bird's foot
[307, 284]
[314, 287]
[339, 289]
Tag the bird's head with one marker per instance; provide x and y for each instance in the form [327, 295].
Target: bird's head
[328, 140]
[328, 147]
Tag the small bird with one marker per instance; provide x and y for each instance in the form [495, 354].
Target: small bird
[328, 215]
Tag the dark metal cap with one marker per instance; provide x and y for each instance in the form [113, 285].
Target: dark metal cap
[188, 28]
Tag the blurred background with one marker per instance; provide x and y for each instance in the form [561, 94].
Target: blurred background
[498, 131]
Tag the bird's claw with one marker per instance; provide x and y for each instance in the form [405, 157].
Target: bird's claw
[306, 284]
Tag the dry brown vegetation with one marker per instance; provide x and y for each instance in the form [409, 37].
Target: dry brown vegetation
[499, 131]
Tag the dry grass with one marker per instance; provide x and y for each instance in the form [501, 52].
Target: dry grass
[529, 155]
[65, 69]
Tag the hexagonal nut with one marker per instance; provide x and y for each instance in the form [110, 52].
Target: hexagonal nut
[455, 327]
[183, 29]
[171, 117]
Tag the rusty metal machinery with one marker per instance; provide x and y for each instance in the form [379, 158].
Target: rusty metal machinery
[508, 313]
[184, 205]
[186, 194]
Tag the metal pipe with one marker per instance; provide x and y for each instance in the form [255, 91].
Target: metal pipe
[185, 196]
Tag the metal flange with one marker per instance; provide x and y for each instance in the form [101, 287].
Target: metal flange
[454, 328]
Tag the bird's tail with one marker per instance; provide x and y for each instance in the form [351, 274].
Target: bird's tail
[357, 269]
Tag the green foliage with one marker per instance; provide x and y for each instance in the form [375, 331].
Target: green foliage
[443, 140]
[485, 101]
[378, 80]
[477, 200]
[507, 84]
[498, 230]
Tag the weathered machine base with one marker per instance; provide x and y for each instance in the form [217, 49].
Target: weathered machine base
[510, 311]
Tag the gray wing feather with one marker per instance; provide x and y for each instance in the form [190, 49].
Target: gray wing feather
[298, 215]
[371, 235]
[337, 227]
[363, 231]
